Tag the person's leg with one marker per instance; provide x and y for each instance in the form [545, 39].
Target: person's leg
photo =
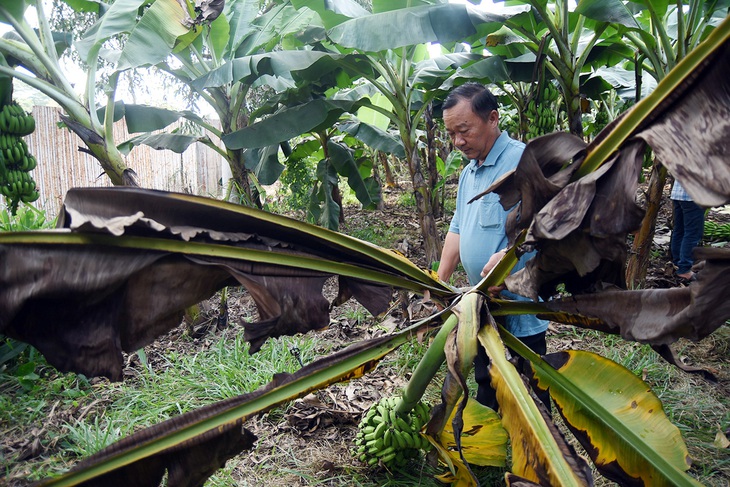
[538, 344]
[694, 225]
[677, 233]
[486, 395]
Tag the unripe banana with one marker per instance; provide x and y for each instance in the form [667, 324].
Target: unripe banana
[388, 437]
[399, 440]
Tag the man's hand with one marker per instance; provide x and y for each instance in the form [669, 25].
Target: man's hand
[491, 263]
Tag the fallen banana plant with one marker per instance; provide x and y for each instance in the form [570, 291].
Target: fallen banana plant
[102, 284]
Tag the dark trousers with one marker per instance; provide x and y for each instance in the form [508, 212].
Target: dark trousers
[689, 223]
[486, 395]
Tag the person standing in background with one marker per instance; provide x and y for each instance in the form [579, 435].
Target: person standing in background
[689, 224]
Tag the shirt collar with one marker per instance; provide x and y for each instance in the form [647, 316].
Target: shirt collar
[499, 146]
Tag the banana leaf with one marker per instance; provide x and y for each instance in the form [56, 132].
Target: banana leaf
[614, 415]
[539, 452]
[192, 446]
[100, 284]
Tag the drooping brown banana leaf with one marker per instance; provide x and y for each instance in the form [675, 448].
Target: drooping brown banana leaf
[661, 316]
[539, 452]
[614, 414]
[192, 446]
[578, 204]
[128, 261]
[658, 317]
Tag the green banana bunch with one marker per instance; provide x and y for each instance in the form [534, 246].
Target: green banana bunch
[19, 186]
[716, 232]
[388, 439]
[14, 120]
[541, 111]
[16, 162]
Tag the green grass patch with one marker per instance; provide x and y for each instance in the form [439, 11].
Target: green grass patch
[378, 234]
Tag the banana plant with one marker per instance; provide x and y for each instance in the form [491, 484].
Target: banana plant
[38, 51]
[662, 34]
[391, 66]
[171, 37]
[562, 40]
[131, 242]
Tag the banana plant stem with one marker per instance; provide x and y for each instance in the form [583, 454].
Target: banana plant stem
[426, 369]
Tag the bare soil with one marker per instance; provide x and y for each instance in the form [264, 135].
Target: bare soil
[308, 443]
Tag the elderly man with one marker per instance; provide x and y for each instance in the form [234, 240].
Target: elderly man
[476, 236]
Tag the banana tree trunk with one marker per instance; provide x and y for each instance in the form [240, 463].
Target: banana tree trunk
[389, 180]
[422, 195]
[239, 174]
[109, 157]
[433, 174]
[638, 261]
[575, 114]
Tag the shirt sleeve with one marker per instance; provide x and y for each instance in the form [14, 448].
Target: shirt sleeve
[454, 225]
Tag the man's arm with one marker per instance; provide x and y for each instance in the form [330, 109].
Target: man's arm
[449, 256]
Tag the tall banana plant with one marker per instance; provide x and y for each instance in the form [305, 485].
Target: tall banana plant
[93, 295]
[169, 36]
[662, 33]
[38, 50]
[563, 41]
[389, 65]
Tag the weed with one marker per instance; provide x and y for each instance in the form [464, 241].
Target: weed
[407, 199]
[26, 218]
[377, 234]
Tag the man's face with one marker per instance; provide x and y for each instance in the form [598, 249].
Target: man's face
[471, 134]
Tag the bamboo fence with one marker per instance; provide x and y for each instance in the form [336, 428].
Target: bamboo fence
[62, 166]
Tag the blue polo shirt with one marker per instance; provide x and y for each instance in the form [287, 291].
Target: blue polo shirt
[480, 225]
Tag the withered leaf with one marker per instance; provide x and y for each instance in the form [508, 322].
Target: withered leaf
[690, 132]
[661, 316]
[85, 302]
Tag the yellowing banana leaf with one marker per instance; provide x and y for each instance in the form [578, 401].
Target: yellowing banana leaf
[614, 415]
[483, 439]
[130, 261]
[459, 477]
[539, 453]
[512, 480]
[198, 442]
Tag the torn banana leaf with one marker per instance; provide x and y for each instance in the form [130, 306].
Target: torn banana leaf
[193, 445]
[539, 452]
[659, 316]
[614, 414]
[127, 262]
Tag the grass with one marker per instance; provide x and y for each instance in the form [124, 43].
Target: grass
[72, 416]
[100, 413]
[182, 382]
[377, 234]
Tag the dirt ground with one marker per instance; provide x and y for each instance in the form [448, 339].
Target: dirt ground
[321, 426]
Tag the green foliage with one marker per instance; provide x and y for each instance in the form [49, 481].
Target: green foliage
[26, 218]
[378, 234]
[407, 199]
[299, 177]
